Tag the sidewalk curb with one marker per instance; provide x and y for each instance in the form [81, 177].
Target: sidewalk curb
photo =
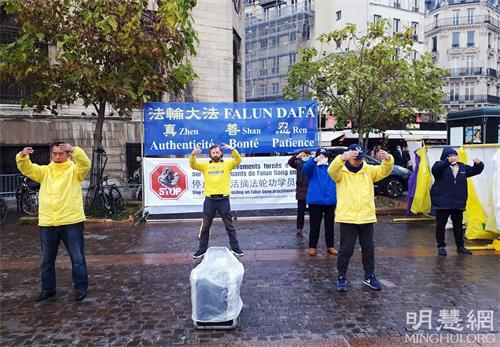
[34, 220]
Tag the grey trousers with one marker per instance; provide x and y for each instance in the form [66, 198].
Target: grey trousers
[210, 207]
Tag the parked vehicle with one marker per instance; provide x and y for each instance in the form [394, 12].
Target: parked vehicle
[394, 185]
[27, 196]
[3, 209]
[103, 199]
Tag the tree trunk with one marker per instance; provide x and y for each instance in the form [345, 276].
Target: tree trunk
[96, 165]
[361, 138]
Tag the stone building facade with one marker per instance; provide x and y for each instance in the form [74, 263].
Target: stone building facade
[464, 38]
[219, 64]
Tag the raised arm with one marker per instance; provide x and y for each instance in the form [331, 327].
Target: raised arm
[474, 170]
[236, 155]
[309, 165]
[380, 172]
[335, 167]
[293, 161]
[193, 163]
[439, 167]
[27, 168]
[82, 162]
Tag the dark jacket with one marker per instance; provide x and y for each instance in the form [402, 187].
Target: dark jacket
[301, 180]
[449, 192]
[322, 189]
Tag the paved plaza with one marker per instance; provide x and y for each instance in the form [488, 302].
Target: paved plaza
[139, 291]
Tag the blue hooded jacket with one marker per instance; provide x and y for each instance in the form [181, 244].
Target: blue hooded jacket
[322, 189]
[449, 192]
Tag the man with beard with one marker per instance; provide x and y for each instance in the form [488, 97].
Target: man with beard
[217, 175]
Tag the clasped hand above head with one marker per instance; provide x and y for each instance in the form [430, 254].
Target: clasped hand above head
[26, 151]
[226, 146]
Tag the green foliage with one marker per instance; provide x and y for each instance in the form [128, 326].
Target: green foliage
[372, 81]
[99, 51]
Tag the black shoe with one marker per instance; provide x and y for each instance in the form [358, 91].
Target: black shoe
[464, 250]
[442, 251]
[80, 295]
[45, 295]
[237, 252]
[199, 253]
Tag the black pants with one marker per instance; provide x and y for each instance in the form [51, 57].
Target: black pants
[210, 207]
[301, 212]
[348, 234]
[442, 219]
[316, 214]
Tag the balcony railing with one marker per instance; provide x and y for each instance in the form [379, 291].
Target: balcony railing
[491, 72]
[473, 99]
[444, 22]
[472, 71]
[467, 71]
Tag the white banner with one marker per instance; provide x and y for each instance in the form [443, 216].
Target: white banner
[171, 186]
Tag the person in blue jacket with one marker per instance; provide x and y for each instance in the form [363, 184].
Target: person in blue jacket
[321, 198]
[449, 196]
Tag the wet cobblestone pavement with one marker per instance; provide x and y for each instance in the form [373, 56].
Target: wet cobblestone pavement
[139, 291]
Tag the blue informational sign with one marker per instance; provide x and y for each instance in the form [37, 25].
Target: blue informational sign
[252, 127]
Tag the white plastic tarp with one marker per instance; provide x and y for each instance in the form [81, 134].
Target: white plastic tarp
[215, 287]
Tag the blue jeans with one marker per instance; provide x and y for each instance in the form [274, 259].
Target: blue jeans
[72, 237]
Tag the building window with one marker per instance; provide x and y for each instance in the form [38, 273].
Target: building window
[276, 88]
[307, 5]
[489, 40]
[415, 55]
[263, 89]
[275, 65]
[470, 15]
[263, 68]
[455, 39]
[470, 38]
[376, 17]
[293, 36]
[456, 17]
[415, 30]
[470, 64]
[292, 58]
[294, 5]
[339, 15]
[455, 65]
[397, 3]
[454, 91]
[263, 43]
[469, 91]
[436, 20]
[395, 25]
[434, 44]
[414, 7]
[305, 31]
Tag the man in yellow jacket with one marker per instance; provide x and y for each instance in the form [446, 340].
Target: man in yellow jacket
[217, 176]
[60, 212]
[356, 209]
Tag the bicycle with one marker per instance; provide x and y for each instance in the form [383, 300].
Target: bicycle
[102, 198]
[112, 190]
[3, 209]
[27, 196]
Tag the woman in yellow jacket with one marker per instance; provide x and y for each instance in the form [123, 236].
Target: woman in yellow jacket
[60, 212]
[356, 209]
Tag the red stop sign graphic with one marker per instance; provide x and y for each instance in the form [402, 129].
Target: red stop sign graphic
[168, 181]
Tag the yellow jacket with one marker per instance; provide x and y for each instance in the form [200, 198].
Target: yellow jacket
[217, 176]
[355, 191]
[60, 197]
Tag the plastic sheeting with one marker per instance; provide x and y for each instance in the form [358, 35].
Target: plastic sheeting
[215, 287]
